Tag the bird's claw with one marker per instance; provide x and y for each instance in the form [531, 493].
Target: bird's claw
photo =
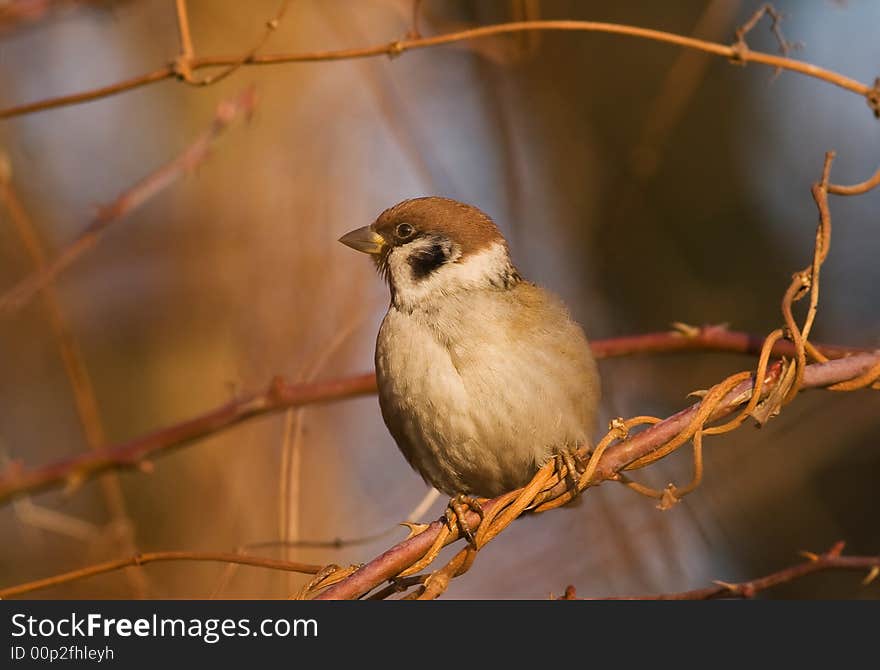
[456, 515]
[573, 464]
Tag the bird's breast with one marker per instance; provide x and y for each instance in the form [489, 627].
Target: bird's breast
[474, 401]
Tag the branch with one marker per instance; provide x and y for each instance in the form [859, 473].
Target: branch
[186, 45]
[183, 65]
[738, 53]
[71, 354]
[154, 557]
[280, 395]
[830, 560]
[197, 152]
[710, 337]
[856, 189]
[617, 457]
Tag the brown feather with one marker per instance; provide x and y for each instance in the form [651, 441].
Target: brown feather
[471, 229]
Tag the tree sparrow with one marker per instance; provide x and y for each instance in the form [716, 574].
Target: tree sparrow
[483, 377]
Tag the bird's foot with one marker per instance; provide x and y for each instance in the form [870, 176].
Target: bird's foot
[456, 514]
[573, 464]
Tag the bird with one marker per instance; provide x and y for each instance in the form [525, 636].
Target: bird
[483, 377]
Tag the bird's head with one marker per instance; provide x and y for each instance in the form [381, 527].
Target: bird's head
[429, 247]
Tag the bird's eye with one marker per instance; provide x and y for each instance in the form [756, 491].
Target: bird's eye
[404, 231]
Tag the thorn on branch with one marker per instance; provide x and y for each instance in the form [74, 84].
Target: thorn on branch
[395, 49]
[836, 549]
[736, 590]
[414, 528]
[277, 389]
[685, 329]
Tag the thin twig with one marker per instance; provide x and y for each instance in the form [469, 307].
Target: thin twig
[338, 543]
[71, 354]
[766, 9]
[830, 560]
[290, 472]
[184, 64]
[78, 376]
[227, 112]
[45, 518]
[856, 189]
[343, 542]
[280, 395]
[733, 53]
[702, 338]
[186, 44]
[153, 557]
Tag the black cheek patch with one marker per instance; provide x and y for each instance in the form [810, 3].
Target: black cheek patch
[427, 260]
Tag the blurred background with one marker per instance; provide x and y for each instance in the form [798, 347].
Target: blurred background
[643, 184]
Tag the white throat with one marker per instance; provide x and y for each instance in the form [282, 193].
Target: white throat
[490, 267]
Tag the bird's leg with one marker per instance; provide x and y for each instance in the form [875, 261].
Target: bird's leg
[573, 463]
[457, 514]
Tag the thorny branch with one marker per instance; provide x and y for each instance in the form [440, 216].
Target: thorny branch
[833, 559]
[227, 113]
[280, 395]
[734, 53]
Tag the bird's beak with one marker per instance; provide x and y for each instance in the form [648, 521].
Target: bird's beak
[364, 239]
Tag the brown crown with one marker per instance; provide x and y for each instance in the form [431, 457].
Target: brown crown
[471, 229]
